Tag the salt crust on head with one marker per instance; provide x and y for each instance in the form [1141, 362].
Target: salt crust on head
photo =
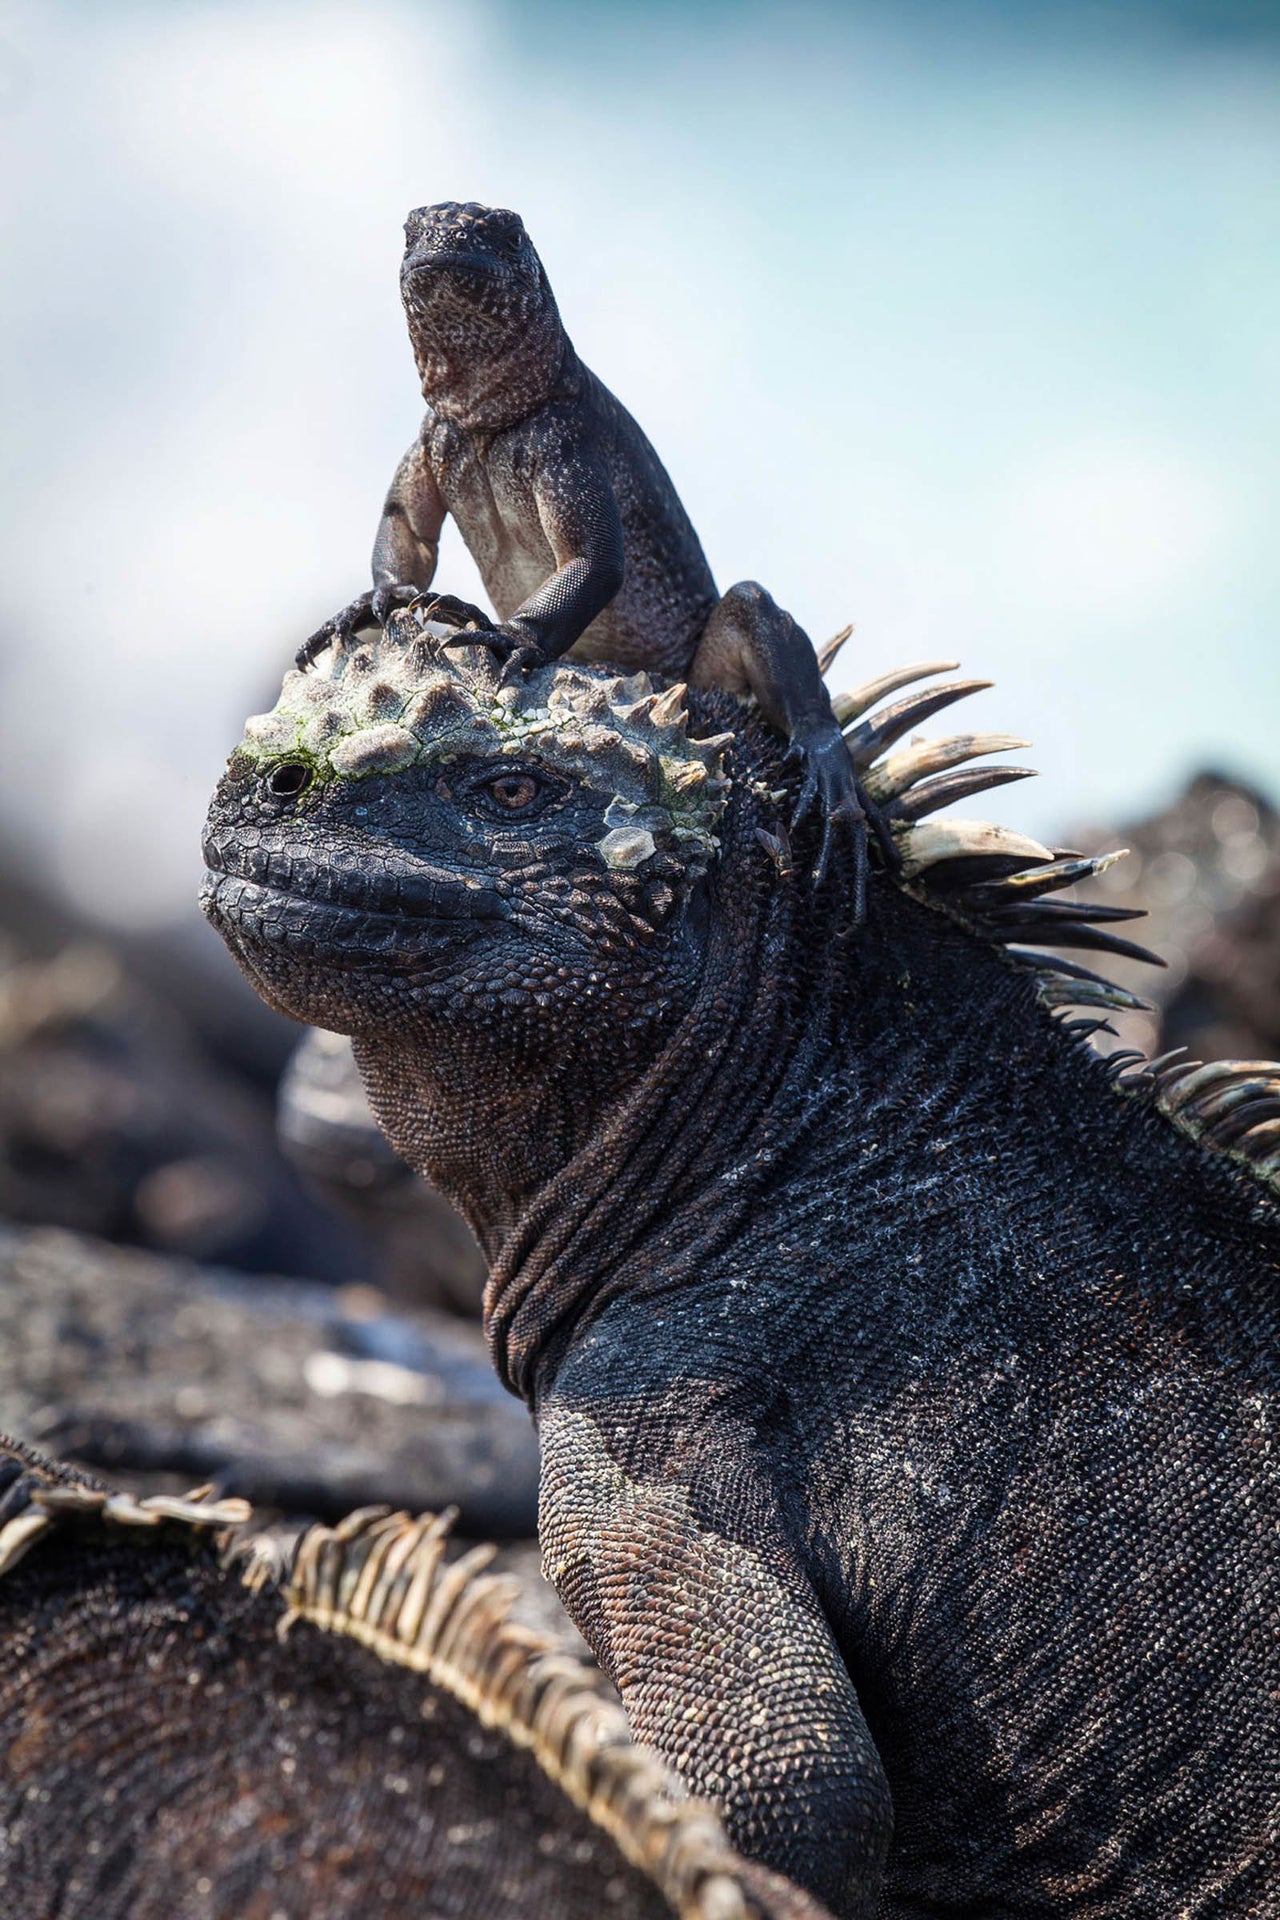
[400, 698]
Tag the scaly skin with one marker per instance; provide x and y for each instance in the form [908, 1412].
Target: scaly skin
[906, 1395]
[579, 535]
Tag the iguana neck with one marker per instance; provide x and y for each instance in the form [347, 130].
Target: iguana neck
[487, 394]
[491, 1115]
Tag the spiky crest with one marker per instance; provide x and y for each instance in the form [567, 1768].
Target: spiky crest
[997, 882]
[51, 1505]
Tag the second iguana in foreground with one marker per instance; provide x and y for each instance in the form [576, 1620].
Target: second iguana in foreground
[579, 535]
[906, 1381]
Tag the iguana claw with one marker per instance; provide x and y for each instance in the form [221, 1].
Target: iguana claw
[375, 608]
[358, 613]
[828, 776]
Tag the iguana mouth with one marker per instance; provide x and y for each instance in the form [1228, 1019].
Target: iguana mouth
[254, 915]
[266, 897]
[451, 261]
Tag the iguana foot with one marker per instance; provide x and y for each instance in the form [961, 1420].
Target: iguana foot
[447, 607]
[828, 778]
[513, 648]
[359, 613]
[374, 609]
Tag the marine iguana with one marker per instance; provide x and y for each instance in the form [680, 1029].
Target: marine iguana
[905, 1381]
[337, 1721]
[581, 539]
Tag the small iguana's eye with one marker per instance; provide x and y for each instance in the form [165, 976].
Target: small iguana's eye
[289, 778]
[514, 792]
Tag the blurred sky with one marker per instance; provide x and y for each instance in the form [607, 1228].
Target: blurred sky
[960, 320]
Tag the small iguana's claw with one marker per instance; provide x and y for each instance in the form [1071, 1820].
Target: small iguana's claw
[375, 608]
[828, 777]
[384, 601]
[523, 658]
[359, 613]
[447, 607]
[516, 652]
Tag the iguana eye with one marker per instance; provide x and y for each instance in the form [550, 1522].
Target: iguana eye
[289, 778]
[514, 792]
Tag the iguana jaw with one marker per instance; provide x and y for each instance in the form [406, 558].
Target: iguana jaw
[392, 930]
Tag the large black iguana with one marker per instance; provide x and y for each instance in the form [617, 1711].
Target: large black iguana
[580, 537]
[905, 1379]
[184, 1738]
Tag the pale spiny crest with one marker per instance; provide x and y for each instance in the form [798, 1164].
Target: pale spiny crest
[998, 883]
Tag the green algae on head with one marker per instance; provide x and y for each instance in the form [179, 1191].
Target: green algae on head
[402, 698]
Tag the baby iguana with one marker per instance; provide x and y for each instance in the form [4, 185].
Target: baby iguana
[338, 1723]
[581, 539]
[906, 1375]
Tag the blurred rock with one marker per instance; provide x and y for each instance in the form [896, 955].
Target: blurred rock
[116, 1120]
[1206, 870]
[426, 1251]
[300, 1397]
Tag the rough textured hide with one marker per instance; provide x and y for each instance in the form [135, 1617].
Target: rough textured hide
[184, 1740]
[906, 1385]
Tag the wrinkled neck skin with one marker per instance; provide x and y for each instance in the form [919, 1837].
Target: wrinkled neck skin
[491, 1113]
[483, 386]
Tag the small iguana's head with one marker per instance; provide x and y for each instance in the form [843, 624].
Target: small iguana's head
[480, 310]
[405, 840]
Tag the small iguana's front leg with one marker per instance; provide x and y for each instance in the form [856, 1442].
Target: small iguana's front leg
[751, 645]
[579, 515]
[406, 549]
[721, 1653]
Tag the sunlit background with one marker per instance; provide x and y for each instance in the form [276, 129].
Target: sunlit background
[958, 320]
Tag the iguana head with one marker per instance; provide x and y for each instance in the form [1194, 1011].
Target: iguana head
[483, 321]
[404, 837]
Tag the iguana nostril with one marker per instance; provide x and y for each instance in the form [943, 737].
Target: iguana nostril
[288, 779]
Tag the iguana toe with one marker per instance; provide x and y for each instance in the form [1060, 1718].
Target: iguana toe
[358, 613]
[828, 778]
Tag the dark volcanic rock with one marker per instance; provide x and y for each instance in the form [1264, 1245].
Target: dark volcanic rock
[293, 1395]
[425, 1251]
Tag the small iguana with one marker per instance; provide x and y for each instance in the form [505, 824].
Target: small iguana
[906, 1382]
[580, 537]
[329, 1722]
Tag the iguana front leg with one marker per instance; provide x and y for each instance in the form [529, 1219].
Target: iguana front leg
[751, 645]
[721, 1653]
[406, 549]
